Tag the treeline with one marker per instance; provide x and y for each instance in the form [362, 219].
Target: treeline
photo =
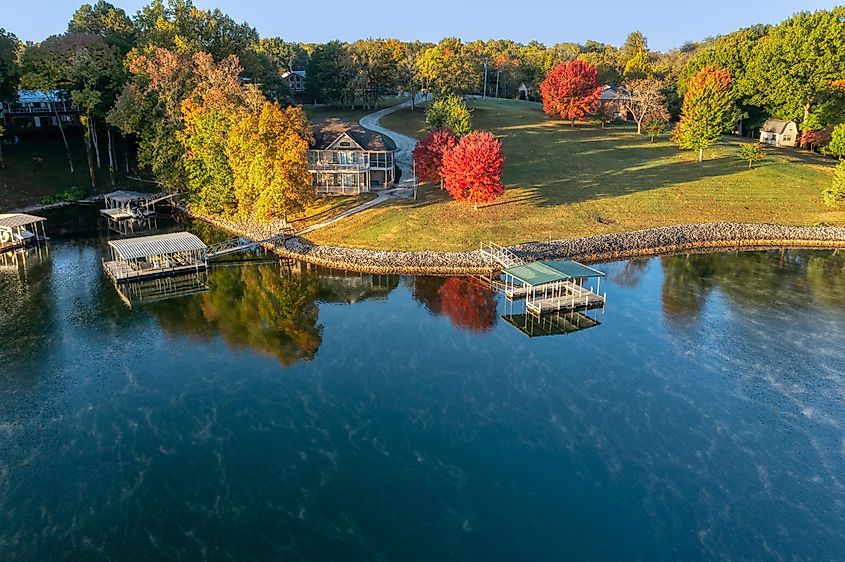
[147, 76]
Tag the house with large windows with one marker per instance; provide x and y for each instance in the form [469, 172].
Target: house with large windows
[296, 80]
[348, 159]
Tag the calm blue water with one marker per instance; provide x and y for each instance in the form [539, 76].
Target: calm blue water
[303, 415]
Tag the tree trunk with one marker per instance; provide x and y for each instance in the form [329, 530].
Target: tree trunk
[639, 127]
[90, 153]
[573, 123]
[2, 162]
[750, 163]
[111, 158]
[96, 141]
[700, 155]
[126, 154]
[475, 204]
[652, 138]
[64, 137]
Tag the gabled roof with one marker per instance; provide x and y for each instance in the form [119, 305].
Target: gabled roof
[345, 136]
[328, 131]
[610, 93]
[14, 220]
[158, 245]
[123, 196]
[777, 126]
[300, 73]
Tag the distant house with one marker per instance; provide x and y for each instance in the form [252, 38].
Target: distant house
[776, 132]
[296, 79]
[524, 91]
[612, 102]
[348, 160]
[36, 108]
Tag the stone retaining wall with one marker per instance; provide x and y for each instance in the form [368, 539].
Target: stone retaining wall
[603, 248]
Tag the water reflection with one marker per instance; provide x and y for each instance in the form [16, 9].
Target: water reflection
[469, 304]
[788, 279]
[26, 301]
[265, 308]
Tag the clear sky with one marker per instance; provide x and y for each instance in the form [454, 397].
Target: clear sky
[666, 23]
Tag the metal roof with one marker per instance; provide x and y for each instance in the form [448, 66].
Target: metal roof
[39, 96]
[543, 272]
[574, 269]
[126, 196]
[14, 220]
[158, 245]
[536, 273]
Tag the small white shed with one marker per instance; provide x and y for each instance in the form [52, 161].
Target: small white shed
[776, 132]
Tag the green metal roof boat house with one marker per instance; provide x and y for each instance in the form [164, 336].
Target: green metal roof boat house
[554, 286]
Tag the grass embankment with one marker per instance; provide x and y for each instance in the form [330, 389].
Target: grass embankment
[565, 182]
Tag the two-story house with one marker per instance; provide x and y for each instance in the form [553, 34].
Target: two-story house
[296, 80]
[35, 108]
[348, 160]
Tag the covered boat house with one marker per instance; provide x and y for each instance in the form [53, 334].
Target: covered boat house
[554, 286]
[19, 229]
[156, 256]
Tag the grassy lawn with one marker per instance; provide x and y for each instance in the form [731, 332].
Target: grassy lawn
[319, 112]
[327, 207]
[564, 182]
[37, 168]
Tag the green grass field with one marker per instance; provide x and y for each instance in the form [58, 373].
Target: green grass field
[565, 182]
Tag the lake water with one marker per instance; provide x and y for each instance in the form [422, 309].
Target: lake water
[294, 414]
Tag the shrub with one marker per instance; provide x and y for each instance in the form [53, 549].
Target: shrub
[835, 194]
[449, 112]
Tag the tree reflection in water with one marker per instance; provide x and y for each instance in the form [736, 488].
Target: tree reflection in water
[469, 305]
[263, 308]
[780, 278]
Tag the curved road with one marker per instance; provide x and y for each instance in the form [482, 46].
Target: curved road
[404, 144]
[404, 156]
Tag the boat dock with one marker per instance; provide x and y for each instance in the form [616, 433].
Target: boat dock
[18, 230]
[148, 257]
[547, 287]
[124, 205]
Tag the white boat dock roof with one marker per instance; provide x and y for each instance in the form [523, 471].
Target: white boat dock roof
[158, 245]
[14, 220]
[123, 196]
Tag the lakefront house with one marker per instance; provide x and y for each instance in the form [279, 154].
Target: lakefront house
[348, 159]
[36, 108]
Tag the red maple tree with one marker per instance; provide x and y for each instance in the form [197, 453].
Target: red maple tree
[468, 306]
[571, 90]
[472, 170]
[428, 154]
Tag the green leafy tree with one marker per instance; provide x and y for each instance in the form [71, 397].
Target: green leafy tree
[835, 194]
[449, 68]
[654, 127]
[449, 112]
[180, 26]
[329, 74]
[794, 69]
[9, 68]
[750, 152]
[709, 109]
[106, 21]
[836, 146]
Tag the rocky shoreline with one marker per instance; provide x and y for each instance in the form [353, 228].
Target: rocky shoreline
[689, 238]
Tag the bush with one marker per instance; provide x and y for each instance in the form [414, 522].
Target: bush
[750, 153]
[836, 146]
[835, 194]
[449, 112]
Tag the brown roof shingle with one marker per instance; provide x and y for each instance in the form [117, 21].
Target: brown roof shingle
[326, 132]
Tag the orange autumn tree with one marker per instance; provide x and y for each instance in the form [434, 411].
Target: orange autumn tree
[571, 90]
[267, 150]
[472, 170]
[429, 152]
